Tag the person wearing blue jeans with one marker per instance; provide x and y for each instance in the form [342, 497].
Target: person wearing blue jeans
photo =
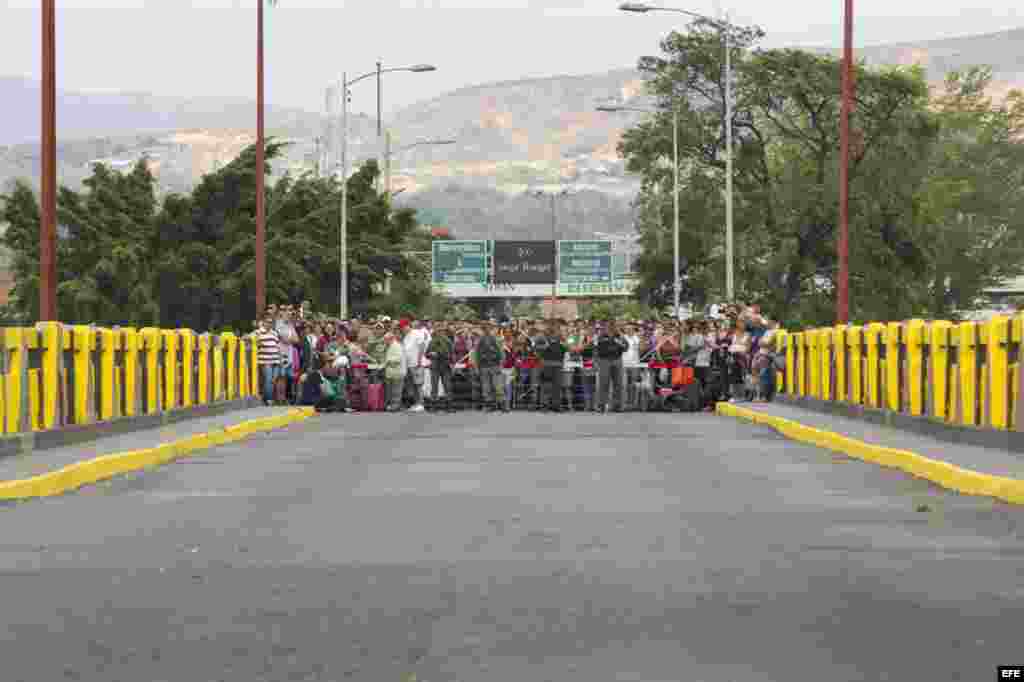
[268, 375]
[268, 358]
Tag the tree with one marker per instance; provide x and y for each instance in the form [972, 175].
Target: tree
[973, 196]
[20, 211]
[102, 256]
[190, 262]
[786, 130]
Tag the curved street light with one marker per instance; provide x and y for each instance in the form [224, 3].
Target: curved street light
[422, 143]
[561, 194]
[724, 27]
[345, 84]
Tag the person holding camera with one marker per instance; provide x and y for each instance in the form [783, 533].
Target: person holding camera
[610, 347]
[551, 349]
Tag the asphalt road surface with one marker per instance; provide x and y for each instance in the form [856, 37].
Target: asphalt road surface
[519, 548]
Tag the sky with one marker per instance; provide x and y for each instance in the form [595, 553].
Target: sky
[207, 47]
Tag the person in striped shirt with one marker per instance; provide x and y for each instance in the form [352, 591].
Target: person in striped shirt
[268, 358]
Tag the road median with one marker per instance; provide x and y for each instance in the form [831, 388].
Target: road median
[165, 448]
[964, 469]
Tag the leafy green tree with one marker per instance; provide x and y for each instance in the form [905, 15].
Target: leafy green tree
[785, 126]
[19, 210]
[103, 263]
[973, 195]
[190, 262]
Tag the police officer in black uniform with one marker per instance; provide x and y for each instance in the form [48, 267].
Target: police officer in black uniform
[611, 346]
[551, 349]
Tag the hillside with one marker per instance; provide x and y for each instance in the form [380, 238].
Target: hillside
[1001, 51]
[86, 115]
[511, 136]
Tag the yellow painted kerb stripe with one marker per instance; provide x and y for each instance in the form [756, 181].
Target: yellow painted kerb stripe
[76, 475]
[941, 473]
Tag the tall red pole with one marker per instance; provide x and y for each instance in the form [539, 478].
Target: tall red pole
[48, 179]
[843, 304]
[261, 256]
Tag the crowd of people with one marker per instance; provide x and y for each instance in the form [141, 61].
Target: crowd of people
[416, 365]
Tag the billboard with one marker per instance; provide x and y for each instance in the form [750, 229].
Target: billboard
[526, 262]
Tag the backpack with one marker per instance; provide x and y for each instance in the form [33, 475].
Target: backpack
[487, 352]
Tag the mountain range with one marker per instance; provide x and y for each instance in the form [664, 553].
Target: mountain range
[510, 137]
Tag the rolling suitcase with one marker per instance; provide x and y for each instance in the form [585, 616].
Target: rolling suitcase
[375, 398]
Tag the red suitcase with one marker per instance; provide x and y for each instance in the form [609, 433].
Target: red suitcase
[375, 398]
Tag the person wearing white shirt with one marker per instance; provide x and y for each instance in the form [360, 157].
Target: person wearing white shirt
[414, 345]
[630, 360]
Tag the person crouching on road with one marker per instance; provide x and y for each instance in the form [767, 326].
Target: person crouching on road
[439, 352]
[394, 372]
[489, 356]
[611, 346]
[333, 395]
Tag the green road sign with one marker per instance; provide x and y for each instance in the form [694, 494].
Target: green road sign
[459, 262]
[584, 262]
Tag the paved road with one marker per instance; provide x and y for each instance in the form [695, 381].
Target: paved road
[517, 548]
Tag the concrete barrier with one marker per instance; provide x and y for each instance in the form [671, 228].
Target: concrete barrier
[54, 376]
[966, 374]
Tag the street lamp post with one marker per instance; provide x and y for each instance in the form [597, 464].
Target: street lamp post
[343, 237]
[48, 170]
[540, 194]
[843, 294]
[725, 28]
[675, 196]
[261, 252]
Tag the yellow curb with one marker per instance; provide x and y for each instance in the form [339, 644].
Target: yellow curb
[941, 473]
[76, 475]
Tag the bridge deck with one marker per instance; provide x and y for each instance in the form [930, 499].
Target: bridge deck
[511, 547]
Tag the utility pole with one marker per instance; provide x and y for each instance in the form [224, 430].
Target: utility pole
[48, 179]
[843, 302]
[343, 237]
[379, 99]
[730, 281]
[380, 115]
[261, 256]
[327, 157]
[387, 162]
[677, 275]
